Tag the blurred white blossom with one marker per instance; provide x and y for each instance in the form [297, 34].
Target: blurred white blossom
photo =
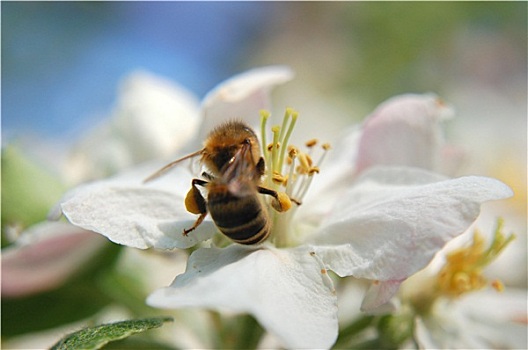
[153, 118]
[453, 304]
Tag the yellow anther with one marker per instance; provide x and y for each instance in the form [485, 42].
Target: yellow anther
[497, 285]
[311, 143]
[326, 146]
[279, 178]
[292, 151]
[313, 170]
[264, 114]
[305, 160]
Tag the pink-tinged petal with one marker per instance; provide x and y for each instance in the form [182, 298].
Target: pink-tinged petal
[49, 253]
[405, 131]
[287, 290]
[242, 96]
[394, 220]
[378, 294]
[139, 217]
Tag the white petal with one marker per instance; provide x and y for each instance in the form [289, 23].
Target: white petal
[508, 306]
[387, 228]
[482, 326]
[242, 96]
[446, 329]
[140, 217]
[288, 291]
[405, 131]
[155, 116]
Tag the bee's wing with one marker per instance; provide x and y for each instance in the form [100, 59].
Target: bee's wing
[241, 167]
[169, 166]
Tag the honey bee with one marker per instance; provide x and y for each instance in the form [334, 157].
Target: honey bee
[232, 155]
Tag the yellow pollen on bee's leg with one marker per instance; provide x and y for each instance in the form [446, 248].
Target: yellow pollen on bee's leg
[282, 203]
[190, 201]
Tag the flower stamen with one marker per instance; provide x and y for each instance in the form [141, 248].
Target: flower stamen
[289, 170]
[463, 270]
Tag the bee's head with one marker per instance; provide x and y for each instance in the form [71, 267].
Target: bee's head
[226, 141]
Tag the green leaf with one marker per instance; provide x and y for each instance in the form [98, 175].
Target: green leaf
[28, 189]
[98, 336]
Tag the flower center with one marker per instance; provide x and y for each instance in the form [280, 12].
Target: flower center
[463, 269]
[462, 273]
[289, 170]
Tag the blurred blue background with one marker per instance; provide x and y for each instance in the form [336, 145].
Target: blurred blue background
[62, 61]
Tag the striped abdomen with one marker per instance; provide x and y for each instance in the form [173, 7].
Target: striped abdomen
[243, 219]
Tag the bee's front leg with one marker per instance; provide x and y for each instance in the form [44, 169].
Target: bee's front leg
[282, 202]
[195, 203]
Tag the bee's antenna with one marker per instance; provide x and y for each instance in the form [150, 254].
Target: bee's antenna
[169, 166]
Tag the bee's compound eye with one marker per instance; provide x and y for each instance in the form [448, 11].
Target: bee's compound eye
[246, 141]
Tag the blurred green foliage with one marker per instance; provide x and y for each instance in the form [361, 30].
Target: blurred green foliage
[407, 46]
[28, 190]
[79, 298]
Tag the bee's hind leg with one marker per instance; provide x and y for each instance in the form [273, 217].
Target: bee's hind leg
[195, 225]
[195, 203]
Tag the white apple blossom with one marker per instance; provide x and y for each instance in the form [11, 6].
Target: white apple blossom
[450, 303]
[383, 223]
